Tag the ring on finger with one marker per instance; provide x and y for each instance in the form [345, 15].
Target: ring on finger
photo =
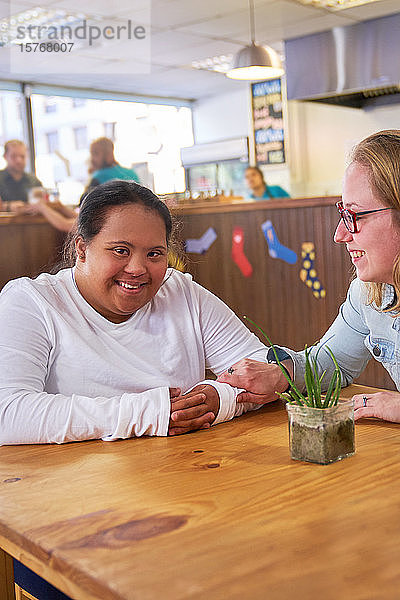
[230, 370]
[365, 400]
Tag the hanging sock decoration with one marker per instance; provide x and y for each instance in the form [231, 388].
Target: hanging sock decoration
[308, 274]
[202, 244]
[275, 248]
[238, 255]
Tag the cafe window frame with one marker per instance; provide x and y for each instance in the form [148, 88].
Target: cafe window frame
[27, 89]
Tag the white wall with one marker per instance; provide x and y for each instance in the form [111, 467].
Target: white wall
[221, 117]
[228, 116]
[321, 137]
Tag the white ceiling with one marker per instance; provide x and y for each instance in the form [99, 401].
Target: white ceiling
[181, 31]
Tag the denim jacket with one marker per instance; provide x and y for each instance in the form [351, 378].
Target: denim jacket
[359, 332]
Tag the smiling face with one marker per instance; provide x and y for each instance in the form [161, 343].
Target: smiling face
[123, 266]
[374, 248]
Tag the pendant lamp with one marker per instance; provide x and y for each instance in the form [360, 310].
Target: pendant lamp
[255, 62]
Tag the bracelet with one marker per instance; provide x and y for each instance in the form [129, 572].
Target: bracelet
[288, 374]
[282, 355]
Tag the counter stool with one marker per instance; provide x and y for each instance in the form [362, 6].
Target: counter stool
[35, 585]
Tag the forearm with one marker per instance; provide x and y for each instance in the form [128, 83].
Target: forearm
[56, 218]
[350, 365]
[66, 211]
[28, 417]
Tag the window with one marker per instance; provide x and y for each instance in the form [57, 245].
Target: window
[50, 105]
[77, 102]
[11, 125]
[52, 141]
[18, 102]
[109, 130]
[148, 134]
[81, 138]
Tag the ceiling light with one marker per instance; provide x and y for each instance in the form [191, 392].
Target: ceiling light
[220, 64]
[37, 17]
[255, 62]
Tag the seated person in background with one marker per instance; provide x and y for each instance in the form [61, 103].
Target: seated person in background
[14, 182]
[57, 214]
[116, 346]
[368, 324]
[103, 165]
[259, 189]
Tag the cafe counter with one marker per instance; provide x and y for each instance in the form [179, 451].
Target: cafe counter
[274, 261]
[28, 246]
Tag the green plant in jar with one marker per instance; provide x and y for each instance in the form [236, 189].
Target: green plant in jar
[321, 427]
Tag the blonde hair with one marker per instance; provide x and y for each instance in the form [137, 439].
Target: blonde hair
[380, 154]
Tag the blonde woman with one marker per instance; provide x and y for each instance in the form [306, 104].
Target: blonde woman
[368, 323]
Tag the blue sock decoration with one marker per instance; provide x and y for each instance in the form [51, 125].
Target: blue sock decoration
[275, 248]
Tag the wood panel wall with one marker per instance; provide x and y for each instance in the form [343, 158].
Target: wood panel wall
[27, 247]
[274, 296]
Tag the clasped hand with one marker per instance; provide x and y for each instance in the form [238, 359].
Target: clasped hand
[195, 410]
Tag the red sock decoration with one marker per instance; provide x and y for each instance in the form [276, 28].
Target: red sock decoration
[238, 254]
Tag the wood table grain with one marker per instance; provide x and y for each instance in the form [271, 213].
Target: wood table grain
[214, 514]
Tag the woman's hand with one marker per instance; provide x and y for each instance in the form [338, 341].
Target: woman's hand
[16, 206]
[260, 380]
[382, 405]
[25, 209]
[195, 410]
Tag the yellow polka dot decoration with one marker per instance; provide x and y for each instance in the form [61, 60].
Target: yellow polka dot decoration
[307, 273]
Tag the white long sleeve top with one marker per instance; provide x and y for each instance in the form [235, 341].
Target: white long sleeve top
[69, 374]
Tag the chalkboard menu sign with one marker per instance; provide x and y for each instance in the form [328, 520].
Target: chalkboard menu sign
[268, 121]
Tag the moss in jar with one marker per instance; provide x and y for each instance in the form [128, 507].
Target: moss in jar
[321, 443]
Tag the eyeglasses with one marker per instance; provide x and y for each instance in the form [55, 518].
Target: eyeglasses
[349, 217]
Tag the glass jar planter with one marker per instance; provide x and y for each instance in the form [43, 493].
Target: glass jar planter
[321, 435]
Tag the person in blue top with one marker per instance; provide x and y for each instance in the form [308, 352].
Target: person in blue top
[103, 165]
[259, 188]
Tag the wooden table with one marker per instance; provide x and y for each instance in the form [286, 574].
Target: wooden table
[215, 514]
